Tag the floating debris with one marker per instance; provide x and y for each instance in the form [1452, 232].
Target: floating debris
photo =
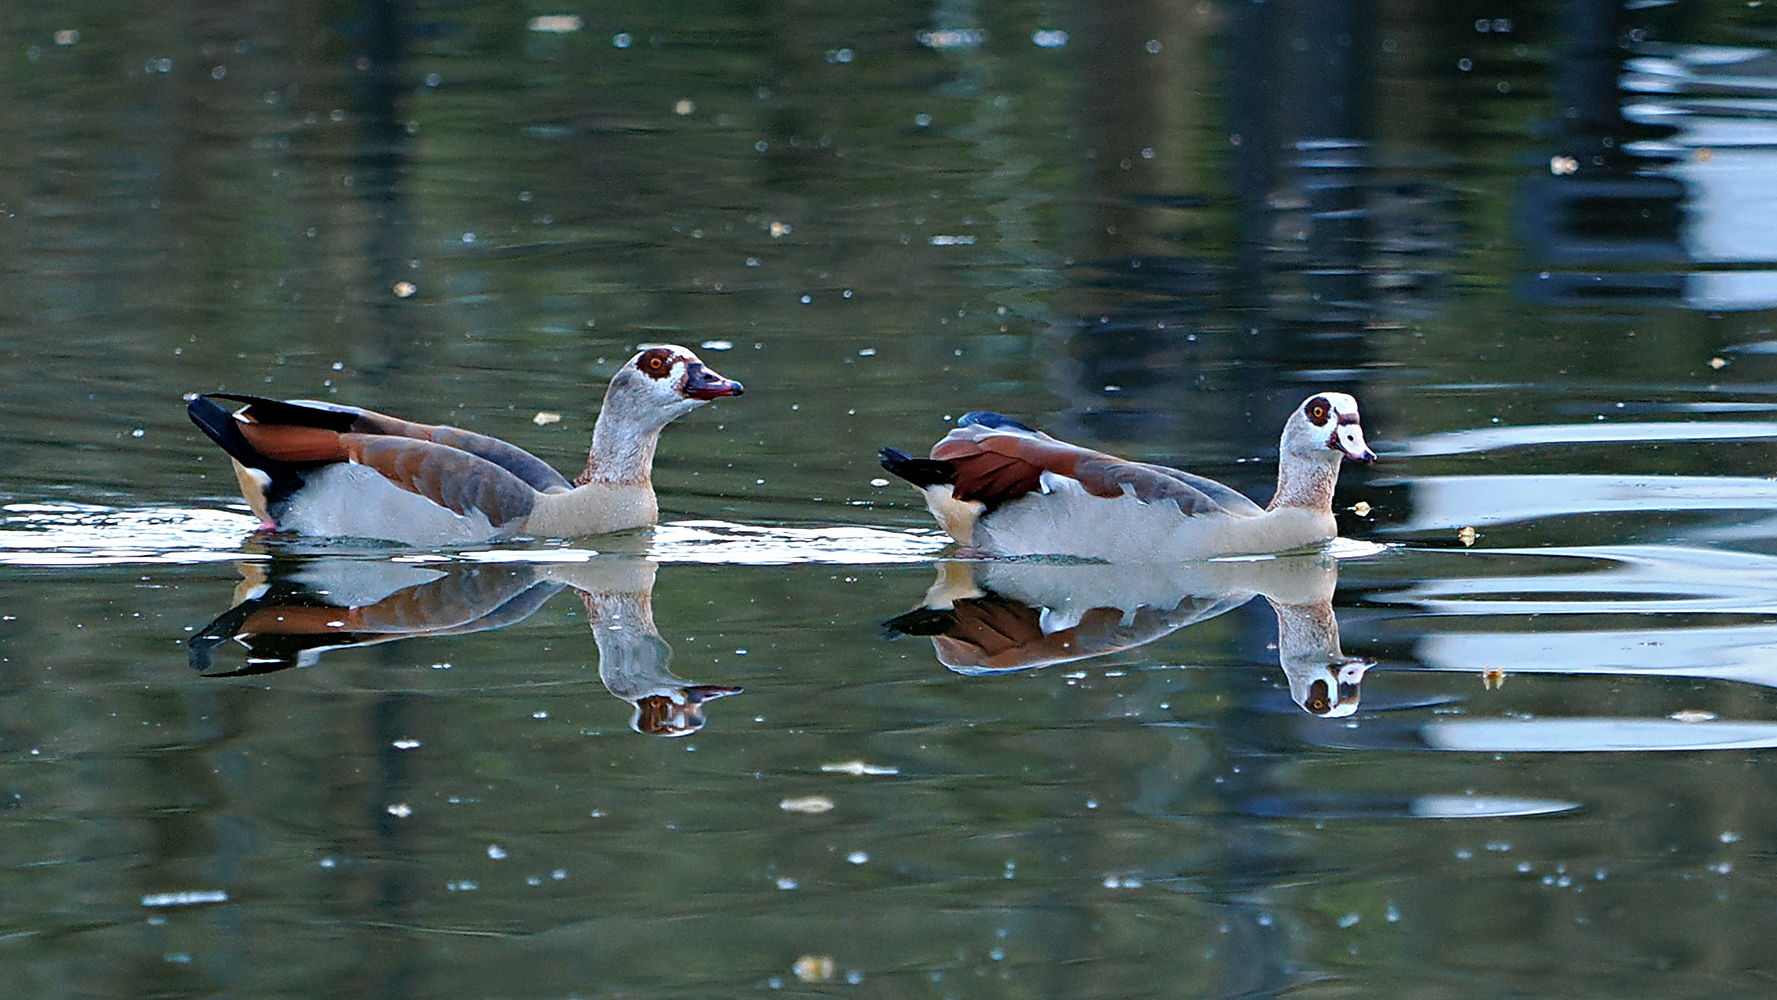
[1718, 363]
[1361, 508]
[1692, 715]
[722, 345]
[400, 810]
[1048, 39]
[953, 241]
[405, 289]
[545, 417]
[814, 968]
[1493, 678]
[781, 228]
[808, 805]
[684, 106]
[1467, 535]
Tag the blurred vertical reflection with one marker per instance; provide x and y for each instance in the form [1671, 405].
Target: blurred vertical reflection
[1657, 184]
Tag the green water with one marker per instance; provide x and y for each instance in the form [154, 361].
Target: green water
[1154, 234]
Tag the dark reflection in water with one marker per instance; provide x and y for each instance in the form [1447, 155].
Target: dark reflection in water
[290, 611]
[1006, 616]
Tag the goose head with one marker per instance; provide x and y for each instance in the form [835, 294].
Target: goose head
[1328, 689]
[662, 383]
[1326, 428]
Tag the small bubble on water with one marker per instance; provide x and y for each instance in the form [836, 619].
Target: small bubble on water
[787, 883]
[534, 880]
[433, 79]
[1393, 914]
[1153, 46]
[1729, 837]
[138, 432]
[858, 857]
[621, 40]
[539, 715]
[496, 852]
[1349, 920]
[558, 874]
[922, 120]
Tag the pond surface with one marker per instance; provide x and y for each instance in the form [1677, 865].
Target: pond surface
[786, 741]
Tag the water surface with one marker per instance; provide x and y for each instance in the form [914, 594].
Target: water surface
[785, 740]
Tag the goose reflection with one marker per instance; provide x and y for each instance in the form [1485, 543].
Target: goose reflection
[287, 614]
[1001, 617]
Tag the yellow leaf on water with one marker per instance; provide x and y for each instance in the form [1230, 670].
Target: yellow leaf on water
[813, 968]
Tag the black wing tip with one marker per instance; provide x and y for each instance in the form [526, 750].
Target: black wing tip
[281, 411]
[992, 420]
[217, 422]
[921, 621]
[921, 472]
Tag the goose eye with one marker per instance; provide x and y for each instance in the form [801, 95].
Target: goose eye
[1317, 411]
[655, 364]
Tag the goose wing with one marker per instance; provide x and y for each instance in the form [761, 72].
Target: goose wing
[448, 476]
[316, 415]
[998, 465]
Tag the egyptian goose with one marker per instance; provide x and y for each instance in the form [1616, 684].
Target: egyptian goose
[287, 613]
[340, 471]
[1004, 616]
[1001, 488]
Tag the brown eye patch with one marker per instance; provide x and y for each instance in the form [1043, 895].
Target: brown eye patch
[1317, 410]
[656, 362]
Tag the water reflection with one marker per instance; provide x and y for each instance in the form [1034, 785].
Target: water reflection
[288, 612]
[1657, 186]
[1005, 616]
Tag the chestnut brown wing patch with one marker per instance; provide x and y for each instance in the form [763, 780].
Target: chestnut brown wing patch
[303, 431]
[294, 443]
[526, 466]
[998, 468]
[450, 477]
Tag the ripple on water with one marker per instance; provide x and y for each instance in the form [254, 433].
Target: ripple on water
[34, 534]
[84, 535]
